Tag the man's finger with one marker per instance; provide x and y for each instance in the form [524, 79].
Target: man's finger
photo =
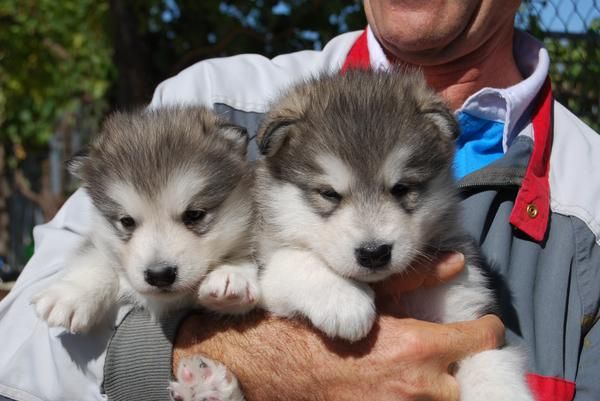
[397, 284]
[444, 270]
[448, 267]
[463, 339]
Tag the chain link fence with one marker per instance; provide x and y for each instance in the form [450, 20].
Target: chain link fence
[570, 29]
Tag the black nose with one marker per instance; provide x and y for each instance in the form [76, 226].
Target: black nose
[162, 276]
[373, 256]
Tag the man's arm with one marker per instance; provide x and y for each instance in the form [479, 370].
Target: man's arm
[280, 359]
[401, 359]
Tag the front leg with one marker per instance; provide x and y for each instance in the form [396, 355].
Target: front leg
[230, 288]
[83, 296]
[297, 282]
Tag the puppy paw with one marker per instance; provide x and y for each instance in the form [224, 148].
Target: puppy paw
[348, 315]
[68, 306]
[202, 379]
[229, 289]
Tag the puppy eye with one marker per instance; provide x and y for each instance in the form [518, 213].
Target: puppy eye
[399, 190]
[127, 222]
[190, 217]
[330, 195]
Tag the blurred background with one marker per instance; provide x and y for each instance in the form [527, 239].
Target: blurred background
[65, 64]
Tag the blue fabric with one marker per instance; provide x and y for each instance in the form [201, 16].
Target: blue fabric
[479, 144]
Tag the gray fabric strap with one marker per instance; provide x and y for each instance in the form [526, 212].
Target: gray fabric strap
[139, 356]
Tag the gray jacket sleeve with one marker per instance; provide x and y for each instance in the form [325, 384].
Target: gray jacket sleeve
[139, 357]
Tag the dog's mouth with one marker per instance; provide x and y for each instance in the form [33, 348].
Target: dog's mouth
[166, 292]
[370, 276]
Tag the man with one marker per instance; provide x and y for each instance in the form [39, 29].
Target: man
[523, 164]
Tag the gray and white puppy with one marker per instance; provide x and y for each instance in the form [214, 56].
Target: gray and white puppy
[172, 223]
[171, 220]
[356, 185]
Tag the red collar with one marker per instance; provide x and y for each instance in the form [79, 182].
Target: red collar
[531, 211]
[358, 56]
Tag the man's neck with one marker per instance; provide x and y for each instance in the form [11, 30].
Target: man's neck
[491, 65]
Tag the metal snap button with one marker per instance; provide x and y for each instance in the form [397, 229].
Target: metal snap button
[532, 210]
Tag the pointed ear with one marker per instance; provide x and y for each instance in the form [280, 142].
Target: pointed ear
[286, 113]
[235, 134]
[438, 113]
[430, 104]
[76, 163]
[273, 134]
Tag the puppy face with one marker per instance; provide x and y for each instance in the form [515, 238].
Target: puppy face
[168, 184]
[357, 169]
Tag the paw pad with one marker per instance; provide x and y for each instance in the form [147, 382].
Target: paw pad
[187, 375]
[202, 379]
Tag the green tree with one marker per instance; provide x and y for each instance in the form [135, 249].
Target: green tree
[575, 71]
[169, 35]
[55, 70]
[54, 55]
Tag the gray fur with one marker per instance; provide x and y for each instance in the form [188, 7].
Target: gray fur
[161, 141]
[172, 219]
[362, 117]
[171, 224]
[356, 186]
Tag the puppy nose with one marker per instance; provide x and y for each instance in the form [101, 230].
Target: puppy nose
[373, 256]
[161, 276]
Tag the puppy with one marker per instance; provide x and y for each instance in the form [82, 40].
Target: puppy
[172, 221]
[357, 185]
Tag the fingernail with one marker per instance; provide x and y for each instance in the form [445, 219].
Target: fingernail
[454, 258]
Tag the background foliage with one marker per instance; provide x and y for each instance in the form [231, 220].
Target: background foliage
[65, 64]
[570, 30]
[55, 56]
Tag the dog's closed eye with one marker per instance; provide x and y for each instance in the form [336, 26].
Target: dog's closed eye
[192, 216]
[330, 194]
[127, 222]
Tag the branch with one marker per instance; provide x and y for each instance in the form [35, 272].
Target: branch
[199, 53]
[22, 185]
[48, 202]
[56, 49]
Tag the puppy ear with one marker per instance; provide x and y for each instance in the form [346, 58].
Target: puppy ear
[430, 104]
[235, 134]
[75, 164]
[273, 135]
[438, 113]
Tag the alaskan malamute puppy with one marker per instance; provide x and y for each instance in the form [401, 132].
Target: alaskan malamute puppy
[357, 185]
[172, 221]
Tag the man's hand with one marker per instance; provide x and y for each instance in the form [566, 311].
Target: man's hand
[401, 359]
[408, 359]
[390, 291]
